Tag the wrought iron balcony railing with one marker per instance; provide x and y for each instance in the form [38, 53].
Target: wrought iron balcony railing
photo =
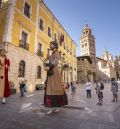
[24, 45]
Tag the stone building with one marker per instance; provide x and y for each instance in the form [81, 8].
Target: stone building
[117, 66]
[106, 66]
[84, 69]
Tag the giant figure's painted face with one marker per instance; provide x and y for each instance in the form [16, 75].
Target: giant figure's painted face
[2, 52]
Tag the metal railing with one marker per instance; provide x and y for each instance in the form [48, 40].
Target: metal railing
[24, 45]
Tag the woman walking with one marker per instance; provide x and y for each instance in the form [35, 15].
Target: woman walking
[55, 95]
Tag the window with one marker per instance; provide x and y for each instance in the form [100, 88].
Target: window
[24, 41]
[41, 25]
[39, 51]
[64, 45]
[104, 64]
[86, 32]
[39, 72]
[27, 10]
[21, 69]
[39, 46]
[67, 48]
[24, 36]
[55, 37]
[49, 31]
[48, 52]
[85, 44]
[82, 45]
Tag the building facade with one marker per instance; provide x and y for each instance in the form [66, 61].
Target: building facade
[26, 29]
[106, 66]
[105, 70]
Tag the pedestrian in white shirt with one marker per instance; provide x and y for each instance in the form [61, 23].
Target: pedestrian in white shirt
[88, 89]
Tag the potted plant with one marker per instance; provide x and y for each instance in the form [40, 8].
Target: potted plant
[12, 88]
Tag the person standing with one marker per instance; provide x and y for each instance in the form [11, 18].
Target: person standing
[88, 89]
[4, 82]
[99, 88]
[55, 95]
[73, 90]
[22, 88]
[25, 88]
[114, 89]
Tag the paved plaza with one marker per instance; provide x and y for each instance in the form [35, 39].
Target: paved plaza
[82, 113]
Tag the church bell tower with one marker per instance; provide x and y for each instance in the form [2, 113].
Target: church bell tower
[87, 43]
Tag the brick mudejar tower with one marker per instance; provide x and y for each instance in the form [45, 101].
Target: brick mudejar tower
[87, 43]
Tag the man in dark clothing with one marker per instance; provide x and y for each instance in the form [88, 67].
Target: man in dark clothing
[22, 86]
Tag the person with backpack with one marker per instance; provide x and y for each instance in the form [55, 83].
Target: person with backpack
[114, 89]
[102, 86]
[99, 88]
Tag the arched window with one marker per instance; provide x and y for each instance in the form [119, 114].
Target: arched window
[21, 69]
[39, 72]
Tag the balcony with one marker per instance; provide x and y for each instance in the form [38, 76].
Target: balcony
[24, 45]
[39, 53]
[3, 3]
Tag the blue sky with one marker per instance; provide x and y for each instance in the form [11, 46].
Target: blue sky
[102, 16]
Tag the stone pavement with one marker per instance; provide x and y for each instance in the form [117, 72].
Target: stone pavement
[83, 113]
